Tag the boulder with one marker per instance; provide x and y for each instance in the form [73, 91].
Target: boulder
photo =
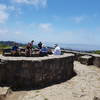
[87, 60]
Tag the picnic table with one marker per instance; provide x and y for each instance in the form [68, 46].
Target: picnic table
[36, 52]
[8, 52]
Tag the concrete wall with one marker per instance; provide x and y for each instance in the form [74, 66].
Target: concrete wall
[76, 54]
[96, 60]
[34, 72]
[95, 57]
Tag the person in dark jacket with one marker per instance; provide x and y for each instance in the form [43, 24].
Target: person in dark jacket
[15, 49]
[44, 51]
[40, 45]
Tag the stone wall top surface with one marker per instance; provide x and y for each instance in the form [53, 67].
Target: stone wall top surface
[83, 53]
[86, 57]
[96, 55]
[34, 58]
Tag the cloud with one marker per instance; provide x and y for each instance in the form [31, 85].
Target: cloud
[6, 11]
[3, 31]
[3, 14]
[78, 19]
[3, 7]
[80, 36]
[12, 8]
[36, 3]
[18, 33]
[17, 11]
[10, 32]
[45, 27]
[56, 17]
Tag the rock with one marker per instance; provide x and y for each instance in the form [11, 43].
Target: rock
[87, 60]
[4, 96]
[96, 98]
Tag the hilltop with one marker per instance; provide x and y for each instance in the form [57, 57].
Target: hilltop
[10, 43]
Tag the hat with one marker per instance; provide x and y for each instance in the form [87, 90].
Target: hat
[55, 45]
[32, 41]
[43, 45]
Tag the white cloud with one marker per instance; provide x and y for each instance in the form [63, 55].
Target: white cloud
[3, 13]
[12, 8]
[3, 16]
[79, 36]
[6, 31]
[78, 19]
[56, 17]
[6, 11]
[3, 7]
[18, 33]
[45, 27]
[18, 11]
[36, 3]
[3, 31]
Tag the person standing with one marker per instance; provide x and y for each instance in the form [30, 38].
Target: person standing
[40, 45]
[31, 44]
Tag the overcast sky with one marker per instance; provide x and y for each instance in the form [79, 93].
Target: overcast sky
[62, 21]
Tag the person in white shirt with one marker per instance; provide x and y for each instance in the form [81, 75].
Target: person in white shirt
[57, 50]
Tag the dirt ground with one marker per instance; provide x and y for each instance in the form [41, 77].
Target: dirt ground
[84, 86]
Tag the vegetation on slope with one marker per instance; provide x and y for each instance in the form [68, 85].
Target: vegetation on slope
[9, 44]
[3, 46]
[97, 52]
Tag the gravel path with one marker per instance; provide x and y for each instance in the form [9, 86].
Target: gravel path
[84, 86]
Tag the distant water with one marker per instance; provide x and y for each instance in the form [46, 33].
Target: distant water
[81, 47]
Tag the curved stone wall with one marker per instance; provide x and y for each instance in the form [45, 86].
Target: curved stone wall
[34, 72]
[94, 60]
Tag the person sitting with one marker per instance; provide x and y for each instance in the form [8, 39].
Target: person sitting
[28, 51]
[50, 51]
[15, 50]
[31, 44]
[43, 50]
[40, 45]
[57, 50]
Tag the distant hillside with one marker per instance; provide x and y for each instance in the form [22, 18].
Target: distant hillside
[10, 43]
[96, 52]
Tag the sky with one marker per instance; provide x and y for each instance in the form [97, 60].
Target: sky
[59, 21]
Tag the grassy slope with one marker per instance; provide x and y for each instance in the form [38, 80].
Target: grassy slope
[2, 46]
[97, 52]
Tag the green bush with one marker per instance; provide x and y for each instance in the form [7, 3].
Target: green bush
[2, 46]
[97, 52]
